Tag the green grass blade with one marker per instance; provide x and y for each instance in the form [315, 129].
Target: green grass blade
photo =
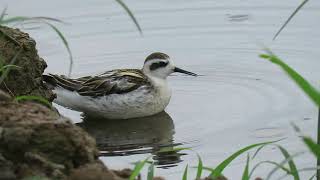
[281, 164]
[3, 14]
[126, 8]
[199, 168]
[290, 17]
[218, 170]
[171, 149]
[138, 167]
[65, 42]
[45, 21]
[2, 68]
[185, 173]
[14, 19]
[313, 94]
[34, 98]
[245, 175]
[44, 18]
[207, 168]
[7, 70]
[292, 166]
[313, 147]
[313, 176]
[282, 167]
[151, 172]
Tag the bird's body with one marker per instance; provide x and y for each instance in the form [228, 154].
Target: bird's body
[117, 94]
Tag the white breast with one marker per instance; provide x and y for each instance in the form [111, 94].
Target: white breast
[144, 101]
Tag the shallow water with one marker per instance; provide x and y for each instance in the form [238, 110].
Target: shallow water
[239, 100]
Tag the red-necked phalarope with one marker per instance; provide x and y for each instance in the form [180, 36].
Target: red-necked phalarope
[119, 93]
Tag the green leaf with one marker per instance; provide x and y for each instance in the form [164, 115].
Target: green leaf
[45, 20]
[3, 14]
[313, 147]
[7, 70]
[66, 44]
[34, 98]
[9, 66]
[138, 167]
[200, 167]
[272, 163]
[245, 175]
[313, 176]
[185, 173]
[313, 94]
[126, 8]
[14, 19]
[172, 149]
[151, 172]
[293, 168]
[281, 164]
[290, 17]
[218, 170]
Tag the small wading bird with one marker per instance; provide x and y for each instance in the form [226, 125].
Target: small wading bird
[120, 93]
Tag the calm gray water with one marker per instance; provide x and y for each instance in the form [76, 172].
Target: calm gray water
[239, 100]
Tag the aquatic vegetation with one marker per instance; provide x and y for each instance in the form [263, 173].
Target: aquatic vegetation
[126, 8]
[39, 20]
[311, 91]
[34, 98]
[290, 17]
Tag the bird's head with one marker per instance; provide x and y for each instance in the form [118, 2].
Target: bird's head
[161, 66]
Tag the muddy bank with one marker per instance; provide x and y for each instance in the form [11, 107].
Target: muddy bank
[27, 79]
[36, 141]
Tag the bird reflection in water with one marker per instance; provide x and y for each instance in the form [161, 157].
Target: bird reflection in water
[135, 136]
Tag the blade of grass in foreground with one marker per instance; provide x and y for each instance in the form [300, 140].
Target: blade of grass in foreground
[272, 163]
[3, 14]
[138, 167]
[289, 19]
[298, 79]
[34, 98]
[7, 70]
[313, 147]
[151, 172]
[173, 149]
[200, 167]
[8, 66]
[125, 7]
[281, 164]
[66, 44]
[245, 175]
[45, 20]
[218, 170]
[291, 163]
[185, 173]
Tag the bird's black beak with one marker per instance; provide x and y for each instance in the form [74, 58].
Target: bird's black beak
[184, 71]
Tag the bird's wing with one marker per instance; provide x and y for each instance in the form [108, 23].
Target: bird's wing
[110, 82]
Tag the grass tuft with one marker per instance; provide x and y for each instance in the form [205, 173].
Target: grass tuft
[219, 169]
[199, 168]
[290, 17]
[34, 98]
[138, 167]
[150, 172]
[126, 8]
[185, 173]
[311, 91]
[245, 175]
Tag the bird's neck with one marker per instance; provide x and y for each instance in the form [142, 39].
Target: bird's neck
[158, 81]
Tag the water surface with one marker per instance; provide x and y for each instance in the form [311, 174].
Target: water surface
[239, 100]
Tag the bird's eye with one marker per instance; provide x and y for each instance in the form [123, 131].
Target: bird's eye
[157, 65]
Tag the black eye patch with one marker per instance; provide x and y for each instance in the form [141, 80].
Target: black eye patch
[157, 65]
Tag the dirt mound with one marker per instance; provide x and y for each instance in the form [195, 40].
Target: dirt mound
[27, 79]
[36, 141]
